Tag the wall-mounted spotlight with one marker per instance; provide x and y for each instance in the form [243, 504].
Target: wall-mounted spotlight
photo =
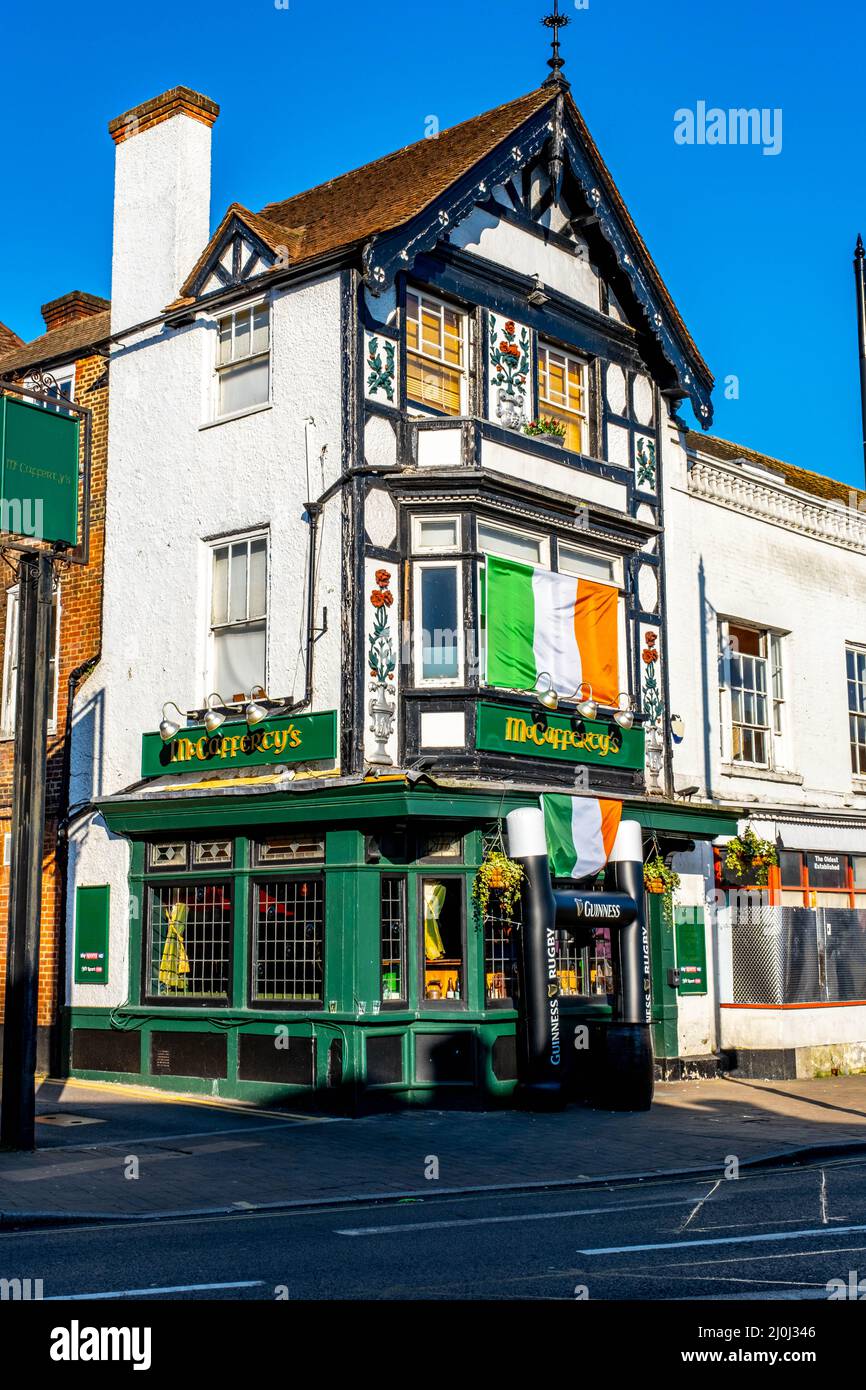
[214, 718]
[587, 706]
[167, 727]
[255, 713]
[547, 696]
[537, 295]
[624, 714]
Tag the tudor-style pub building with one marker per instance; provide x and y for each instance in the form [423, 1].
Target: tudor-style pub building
[373, 425]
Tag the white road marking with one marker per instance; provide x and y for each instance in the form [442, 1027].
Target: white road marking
[823, 1197]
[751, 1259]
[718, 1240]
[144, 1293]
[693, 1213]
[504, 1220]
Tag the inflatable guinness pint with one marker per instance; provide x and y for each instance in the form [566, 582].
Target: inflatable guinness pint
[621, 1057]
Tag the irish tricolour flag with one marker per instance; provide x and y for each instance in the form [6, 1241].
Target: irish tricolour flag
[538, 621]
[580, 833]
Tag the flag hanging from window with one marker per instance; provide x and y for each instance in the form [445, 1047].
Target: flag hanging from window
[539, 621]
[580, 833]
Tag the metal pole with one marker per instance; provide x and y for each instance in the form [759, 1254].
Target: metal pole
[860, 279]
[17, 1119]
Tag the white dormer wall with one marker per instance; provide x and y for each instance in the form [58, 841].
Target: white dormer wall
[495, 239]
[161, 215]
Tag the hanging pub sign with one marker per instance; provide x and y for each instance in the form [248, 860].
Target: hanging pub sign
[38, 472]
[532, 734]
[306, 738]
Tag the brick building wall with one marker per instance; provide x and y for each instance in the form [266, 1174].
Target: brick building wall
[80, 592]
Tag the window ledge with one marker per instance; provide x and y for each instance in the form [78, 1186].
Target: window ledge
[858, 786]
[762, 774]
[237, 415]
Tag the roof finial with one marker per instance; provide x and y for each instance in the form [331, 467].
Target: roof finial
[556, 21]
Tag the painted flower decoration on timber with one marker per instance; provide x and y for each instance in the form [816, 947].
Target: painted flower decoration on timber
[377, 598]
[383, 578]
[510, 328]
[649, 652]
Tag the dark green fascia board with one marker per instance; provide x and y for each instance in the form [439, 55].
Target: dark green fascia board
[363, 801]
[700, 822]
[359, 801]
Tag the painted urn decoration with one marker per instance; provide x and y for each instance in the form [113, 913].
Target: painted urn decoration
[382, 661]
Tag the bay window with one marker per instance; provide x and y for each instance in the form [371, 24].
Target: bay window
[436, 359]
[438, 623]
[288, 942]
[189, 943]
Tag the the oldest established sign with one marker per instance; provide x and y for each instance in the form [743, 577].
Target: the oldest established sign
[307, 738]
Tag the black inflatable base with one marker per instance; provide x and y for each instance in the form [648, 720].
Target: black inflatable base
[541, 1095]
[622, 1075]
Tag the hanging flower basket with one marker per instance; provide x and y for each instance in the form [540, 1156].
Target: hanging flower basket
[750, 858]
[661, 880]
[501, 875]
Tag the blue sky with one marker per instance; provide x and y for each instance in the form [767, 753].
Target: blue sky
[755, 249]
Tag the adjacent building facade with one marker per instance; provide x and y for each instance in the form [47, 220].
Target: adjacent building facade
[67, 361]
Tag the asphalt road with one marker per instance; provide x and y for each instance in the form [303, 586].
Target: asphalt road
[777, 1234]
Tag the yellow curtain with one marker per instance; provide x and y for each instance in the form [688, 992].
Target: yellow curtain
[434, 899]
[174, 966]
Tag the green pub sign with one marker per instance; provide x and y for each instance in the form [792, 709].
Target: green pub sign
[530, 734]
[307, 738]
[38, 471]
[91, 935]
[691, 945]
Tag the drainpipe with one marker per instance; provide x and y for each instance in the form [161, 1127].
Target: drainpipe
[58, 1035]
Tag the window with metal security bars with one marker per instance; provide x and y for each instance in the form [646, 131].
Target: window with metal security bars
[584, 970]
[189, 943]
[288, 942]
[499, 953]
[855, 659]
[797, 955]
[436, 354]
[393, 938]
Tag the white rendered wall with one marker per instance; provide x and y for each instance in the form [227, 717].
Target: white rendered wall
[172, 483]
[161, 216]
[484, 234]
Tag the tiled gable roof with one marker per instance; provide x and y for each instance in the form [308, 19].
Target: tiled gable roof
[816, 484]
[61, 344]
[379, 197]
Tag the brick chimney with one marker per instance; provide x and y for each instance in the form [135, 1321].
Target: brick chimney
[161, 201]
[69, 308]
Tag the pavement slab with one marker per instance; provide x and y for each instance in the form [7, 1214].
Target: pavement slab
[145, 1153]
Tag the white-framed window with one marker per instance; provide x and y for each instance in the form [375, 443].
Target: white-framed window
[855, 663]
[435, 535]
[563, 394]
[10, 663]
[753, 693]
[238, 615]
[438, 628]
[243, 359]
[510, 544]
[437, 352]
[589, 564]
